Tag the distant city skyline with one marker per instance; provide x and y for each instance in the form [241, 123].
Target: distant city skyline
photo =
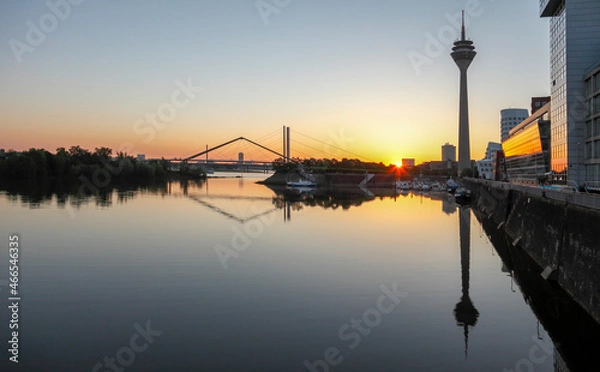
[167, 78]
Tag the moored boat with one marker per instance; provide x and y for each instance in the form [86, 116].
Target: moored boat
[462, 195]
[301, 183]
[451, 185]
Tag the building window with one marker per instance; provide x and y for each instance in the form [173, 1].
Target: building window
[588, 87]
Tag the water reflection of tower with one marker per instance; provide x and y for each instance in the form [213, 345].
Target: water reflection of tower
[465, 312]
[448, 205]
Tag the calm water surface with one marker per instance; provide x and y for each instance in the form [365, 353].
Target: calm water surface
[234, 276]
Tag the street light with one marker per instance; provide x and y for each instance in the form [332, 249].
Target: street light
[580, 164]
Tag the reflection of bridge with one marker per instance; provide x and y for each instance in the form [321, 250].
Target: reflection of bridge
[200, 199]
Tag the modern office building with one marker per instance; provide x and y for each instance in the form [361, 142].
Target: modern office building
[486, 166]
[510, 118]
[538, 102]
[574, 49]
[592, 126]
[463, 54]
[527, 148]
[448, 152]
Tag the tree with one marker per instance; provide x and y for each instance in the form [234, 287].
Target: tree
[80, 156]
[102, 154]
[467, 172]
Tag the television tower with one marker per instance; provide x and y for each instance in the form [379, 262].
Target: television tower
[463, 54]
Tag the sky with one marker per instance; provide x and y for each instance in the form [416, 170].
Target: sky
[165, 78]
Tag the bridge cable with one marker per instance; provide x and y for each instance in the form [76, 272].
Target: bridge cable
[312, 148]
[335, 147]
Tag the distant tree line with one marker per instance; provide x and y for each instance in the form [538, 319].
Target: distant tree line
[36, 164]
[334, 166]
[358, 166]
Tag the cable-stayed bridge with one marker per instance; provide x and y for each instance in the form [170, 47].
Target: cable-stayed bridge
[245, 154]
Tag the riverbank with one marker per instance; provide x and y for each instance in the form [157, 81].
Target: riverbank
[556, 229]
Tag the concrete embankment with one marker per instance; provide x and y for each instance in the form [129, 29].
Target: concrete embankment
[575, 334]
[557, 231]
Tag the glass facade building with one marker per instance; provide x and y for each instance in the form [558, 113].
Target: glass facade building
[592, 126]
[574, 47]
[527, 149]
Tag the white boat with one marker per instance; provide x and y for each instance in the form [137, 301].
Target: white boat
[301, 183]
[402, 185]
[451, 185]
[425, 187]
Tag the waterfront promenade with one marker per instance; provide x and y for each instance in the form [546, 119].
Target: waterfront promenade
[588, 200]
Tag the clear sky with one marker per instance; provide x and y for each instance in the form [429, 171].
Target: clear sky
[357, 74]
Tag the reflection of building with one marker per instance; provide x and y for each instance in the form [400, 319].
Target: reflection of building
[592, 126]
[448, 206]
[510, 118]
[408, 163]
[574, 47]
[485, 166]
[463, 54]
[527, 148]
[465, 312]
[448, 152]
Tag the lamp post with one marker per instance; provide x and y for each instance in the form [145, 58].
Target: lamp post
[580, 164]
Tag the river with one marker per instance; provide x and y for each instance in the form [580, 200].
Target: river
[229, 275]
